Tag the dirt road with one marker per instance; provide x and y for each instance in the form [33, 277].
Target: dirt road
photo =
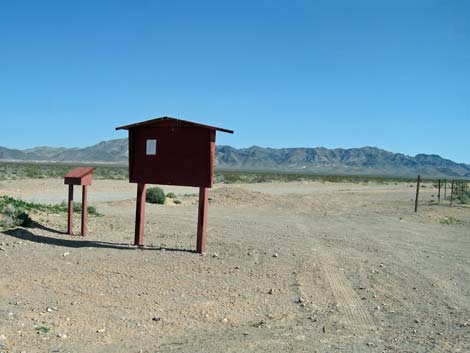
[295, 267]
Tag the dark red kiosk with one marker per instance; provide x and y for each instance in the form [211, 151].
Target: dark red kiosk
[170, 151]
[78, 176]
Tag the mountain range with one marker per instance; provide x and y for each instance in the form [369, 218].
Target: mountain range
[353, 161]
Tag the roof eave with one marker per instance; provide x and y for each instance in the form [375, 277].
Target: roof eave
[142, 124]
[128, 127]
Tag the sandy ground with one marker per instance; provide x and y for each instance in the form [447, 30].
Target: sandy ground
[294, 267]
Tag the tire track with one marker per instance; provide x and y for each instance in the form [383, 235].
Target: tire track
[355, 315]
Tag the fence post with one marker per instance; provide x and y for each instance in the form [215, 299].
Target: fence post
[439, 192]
[452, 193]
[445, 189]
[418, 182]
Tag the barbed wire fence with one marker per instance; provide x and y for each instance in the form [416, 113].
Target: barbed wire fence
[449, 192]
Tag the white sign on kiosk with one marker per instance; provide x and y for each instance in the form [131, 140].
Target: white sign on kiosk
[151, 147]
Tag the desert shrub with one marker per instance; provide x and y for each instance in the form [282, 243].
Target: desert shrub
[43, 329]
[232, 177]
[33, 206]
[77, 207]
[14, 212]
[464, 199]
[21, 170]
[451, 220]
[13, 216]
[29, 206]
[155, 195]
[171, 195]
[92, 210]
[177, 202]
[23, 219]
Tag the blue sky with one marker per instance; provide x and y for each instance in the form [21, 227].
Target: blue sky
[393, 74]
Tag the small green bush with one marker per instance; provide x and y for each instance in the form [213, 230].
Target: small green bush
[77, 207]
[171, 195]
[14, 212]
[451, 220]
[464, 199]
[13, 216]
[155, 195]
[24, 220]
[92, 210]
[43, 329]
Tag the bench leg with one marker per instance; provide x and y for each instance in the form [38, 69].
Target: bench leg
[84, 209]
[70, 211]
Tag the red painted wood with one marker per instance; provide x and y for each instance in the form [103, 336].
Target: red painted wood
[183, 157]
[70, 211]
[79, 172]
[79, 176]
[131, 143]
[140, 214]
[84, 209]
[202, 220]
[166, 121]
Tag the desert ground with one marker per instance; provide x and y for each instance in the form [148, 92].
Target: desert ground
[290, 267]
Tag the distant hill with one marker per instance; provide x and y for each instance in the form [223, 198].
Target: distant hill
[113, 151]
[353, 161]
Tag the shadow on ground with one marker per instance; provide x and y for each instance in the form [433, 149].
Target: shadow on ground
[43, 227]
[78, 242]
